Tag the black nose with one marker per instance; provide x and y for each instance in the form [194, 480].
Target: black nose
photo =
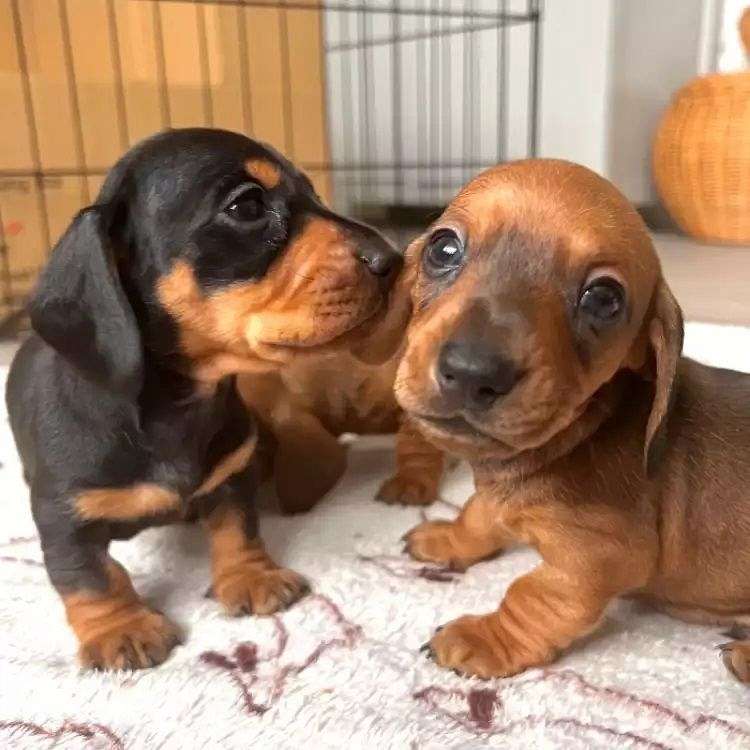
[475, 375]
[379, 257]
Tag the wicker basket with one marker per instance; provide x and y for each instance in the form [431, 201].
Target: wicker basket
[701, 156]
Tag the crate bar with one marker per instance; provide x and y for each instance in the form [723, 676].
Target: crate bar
[245, 93]
[161, 69]
[421, 84]
[75, 105]
[502, 86]
[396, 98]
[344, 7]
[28, 100]
[205, 66]
[534, 72]
[312, 166]
[416, 36]
[446, 109]
[286, 82]
[435, 69]
[7, 279]
[366, 134]
[114, 40]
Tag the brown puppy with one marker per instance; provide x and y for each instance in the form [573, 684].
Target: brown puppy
[545, 348]
[346, 387]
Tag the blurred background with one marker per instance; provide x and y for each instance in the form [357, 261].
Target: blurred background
[390, 107]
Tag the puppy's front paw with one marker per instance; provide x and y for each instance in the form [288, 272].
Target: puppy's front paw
[437, 542]
[248, 590]
[137, 638]
[406, 489]
[471, 646]
[736, 656]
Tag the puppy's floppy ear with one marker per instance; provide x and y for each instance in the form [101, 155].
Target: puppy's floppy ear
[665, 336]
[80, 309]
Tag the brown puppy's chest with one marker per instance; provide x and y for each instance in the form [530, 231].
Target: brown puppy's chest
[682, 534]
[342, 392]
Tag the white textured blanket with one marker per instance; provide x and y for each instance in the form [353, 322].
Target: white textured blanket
[341, 669]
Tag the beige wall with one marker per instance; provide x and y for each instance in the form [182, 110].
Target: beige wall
[220, 66]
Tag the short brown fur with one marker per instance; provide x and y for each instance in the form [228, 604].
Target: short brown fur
[307, 332]
[626, 466]
[115, 629]
[345, 386]
[245, 579]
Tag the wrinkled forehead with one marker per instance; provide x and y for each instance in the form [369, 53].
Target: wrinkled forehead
[536, 223]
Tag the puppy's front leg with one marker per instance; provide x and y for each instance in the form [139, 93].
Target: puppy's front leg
[542, 613]
[308, 462]
[476, 534]
[419, 470]
[245, 579]
[114, 627]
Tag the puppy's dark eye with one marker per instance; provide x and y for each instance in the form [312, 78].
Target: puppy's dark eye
[603, 299]
[445, 253]
[247, 205]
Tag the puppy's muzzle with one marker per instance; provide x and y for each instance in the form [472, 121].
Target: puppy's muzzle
[472, 376]
[380, 258]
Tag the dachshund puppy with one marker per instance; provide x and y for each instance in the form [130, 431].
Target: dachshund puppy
[545, 347]
[304, 407]
[205, 253]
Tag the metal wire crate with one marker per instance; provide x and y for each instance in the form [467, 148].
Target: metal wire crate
[390, 106]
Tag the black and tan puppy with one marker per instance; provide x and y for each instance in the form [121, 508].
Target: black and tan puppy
[205, 253]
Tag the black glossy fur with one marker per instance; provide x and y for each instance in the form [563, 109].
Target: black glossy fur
[98, 395]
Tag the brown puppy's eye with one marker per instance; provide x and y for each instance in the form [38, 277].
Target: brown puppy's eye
[603, 299]
[444, 254]
[246, 205]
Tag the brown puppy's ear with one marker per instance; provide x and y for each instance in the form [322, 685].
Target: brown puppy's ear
[665, 334]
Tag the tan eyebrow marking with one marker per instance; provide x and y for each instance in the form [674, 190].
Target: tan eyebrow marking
[264, 171]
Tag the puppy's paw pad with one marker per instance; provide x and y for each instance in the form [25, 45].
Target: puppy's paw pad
[434, 541]
[259, 592]
[736, 656]
[466, 647]
[407, 490]
[138, 640]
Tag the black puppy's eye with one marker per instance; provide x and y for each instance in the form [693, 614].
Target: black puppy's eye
[603, 299]
[247, 205]
[444, 254]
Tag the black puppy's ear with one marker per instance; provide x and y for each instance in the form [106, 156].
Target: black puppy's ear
[80, 309]
[665, 334]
